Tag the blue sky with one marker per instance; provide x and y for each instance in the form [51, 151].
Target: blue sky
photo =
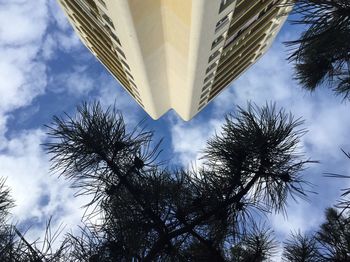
[45, 70]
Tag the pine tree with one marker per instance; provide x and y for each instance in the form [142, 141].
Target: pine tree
[258, 244]
[149, 212]
[322, 53]
[301, 248]
[334, 236]
[14, 247]
[331, 242]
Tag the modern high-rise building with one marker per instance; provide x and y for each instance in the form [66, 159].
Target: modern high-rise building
[176, 54]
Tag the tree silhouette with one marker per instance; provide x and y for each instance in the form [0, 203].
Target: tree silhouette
[344, 203]
[322, 53]
[301, 248]
[334, 236]
[14, 247]
[6, 203]
[331, 242]
[258, 244]
[6, 232]
[147, 212]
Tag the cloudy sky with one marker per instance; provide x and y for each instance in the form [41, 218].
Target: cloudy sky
[45, 70]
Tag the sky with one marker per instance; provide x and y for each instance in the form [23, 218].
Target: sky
[45, 70]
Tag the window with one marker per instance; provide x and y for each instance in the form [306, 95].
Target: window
[199, 108]
[214, 55]
[222, 23]
[208, 77]
[64, 5]
[129, 75]
[110, 32]
[212, 66]
[125, 64]
[120, 52]
[274, 27]
[224, 4]
[114, 36]
[133, 84]
[203, 99]
[102, 3]
[138, 100]
[106, 18]
[238, 2]
[250, 22]
[136, 92]
[205, 87]
[263, 47]
[204, 94]
[233, 38]
[71, 17]
[217, 41]
[92, 4]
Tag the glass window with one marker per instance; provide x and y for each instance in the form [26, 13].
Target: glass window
[125, 64]
[208, 77]
[102, 3]
[214, 55]
[205, 87]
[203, 100]
[217, 41]
[224, 4]
[212, 66]
[222, 23]
[204, 94]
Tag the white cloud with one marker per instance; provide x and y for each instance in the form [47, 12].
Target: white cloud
[38, 194]
[60, 20]
[301, 217]
[189, 139]
[24, 73]
[67, 41]
[111, 93]
[61, 36]
[77, 81]
[25, 44]
[22, 76]
[49, 47]
[22, 22]
[37, 33]
[21, 81]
